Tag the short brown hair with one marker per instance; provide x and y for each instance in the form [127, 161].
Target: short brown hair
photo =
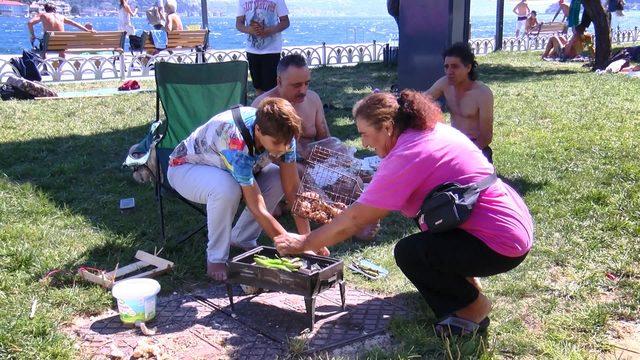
[411, 110]
[277, 118]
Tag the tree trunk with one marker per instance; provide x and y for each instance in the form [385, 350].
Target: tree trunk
[603, 35]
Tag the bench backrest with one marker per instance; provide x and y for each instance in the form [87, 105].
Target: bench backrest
[187, 39]
[76, 41]
[550, 28]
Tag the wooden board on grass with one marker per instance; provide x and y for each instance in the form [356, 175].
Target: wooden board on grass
[155, 264]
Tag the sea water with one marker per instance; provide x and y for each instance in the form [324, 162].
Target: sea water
[14, 35]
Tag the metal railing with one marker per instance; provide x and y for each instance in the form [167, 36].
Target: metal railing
[529, 43]
[115, 66]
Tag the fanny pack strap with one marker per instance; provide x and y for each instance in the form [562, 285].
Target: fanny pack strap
[484, 183]
[237, 118]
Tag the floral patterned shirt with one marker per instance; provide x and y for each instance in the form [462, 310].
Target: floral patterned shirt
[219, 143]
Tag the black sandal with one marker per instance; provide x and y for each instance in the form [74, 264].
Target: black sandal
[453, 325]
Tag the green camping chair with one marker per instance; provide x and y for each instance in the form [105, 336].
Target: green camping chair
[190, 95]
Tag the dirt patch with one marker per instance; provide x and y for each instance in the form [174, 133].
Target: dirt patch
[625, 338]
[352, 351]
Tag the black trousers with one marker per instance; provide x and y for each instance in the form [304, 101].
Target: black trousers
[263, 69]
[438, 265]
[488, 153]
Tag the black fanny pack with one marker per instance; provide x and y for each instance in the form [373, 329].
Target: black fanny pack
[450, 204]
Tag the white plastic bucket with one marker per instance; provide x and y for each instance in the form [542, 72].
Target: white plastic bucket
[136, 299]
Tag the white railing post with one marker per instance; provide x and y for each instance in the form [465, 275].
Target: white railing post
[374, 56]
[323, 61]
[122, 66]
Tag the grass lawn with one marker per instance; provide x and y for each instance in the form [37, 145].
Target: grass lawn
[565, 138]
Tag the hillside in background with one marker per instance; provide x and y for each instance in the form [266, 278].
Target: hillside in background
[227, 8]
[354, 8]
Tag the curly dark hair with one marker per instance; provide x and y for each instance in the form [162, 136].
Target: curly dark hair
[463, 52]
[411, 110]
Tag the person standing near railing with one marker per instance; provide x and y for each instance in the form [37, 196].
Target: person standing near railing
[564, 8]
[263, 21]
[124, 17]
[522, 12]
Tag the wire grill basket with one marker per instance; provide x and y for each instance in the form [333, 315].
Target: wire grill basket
[329, 184]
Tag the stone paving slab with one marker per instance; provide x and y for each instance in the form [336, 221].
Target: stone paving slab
[283, 316]
[201, 325]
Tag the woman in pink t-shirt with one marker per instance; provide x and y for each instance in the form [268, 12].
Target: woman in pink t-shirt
[420, 153]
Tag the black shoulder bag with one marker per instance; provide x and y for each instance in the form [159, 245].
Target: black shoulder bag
[450, 204]
[237, 118]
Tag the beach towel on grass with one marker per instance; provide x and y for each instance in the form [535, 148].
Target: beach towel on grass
[579, 58]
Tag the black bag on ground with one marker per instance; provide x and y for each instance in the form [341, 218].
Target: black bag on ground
[450, 204]
[27, 65]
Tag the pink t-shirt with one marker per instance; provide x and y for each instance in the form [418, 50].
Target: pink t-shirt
[422, 160]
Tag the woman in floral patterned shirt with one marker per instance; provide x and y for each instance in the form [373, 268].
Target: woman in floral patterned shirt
[214, 166]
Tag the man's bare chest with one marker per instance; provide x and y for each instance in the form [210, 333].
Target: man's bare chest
[307, 114]
[462, 104]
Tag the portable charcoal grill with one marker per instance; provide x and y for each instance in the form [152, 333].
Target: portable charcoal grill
[306, 281]
[332, 175]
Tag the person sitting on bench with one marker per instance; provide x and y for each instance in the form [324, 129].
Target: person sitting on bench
[174, 23]
[51, 21]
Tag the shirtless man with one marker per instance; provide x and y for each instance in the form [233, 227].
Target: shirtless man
[52, 22]
[469, 101]
[174, 23]
[293, 78]
[565, 11]
[532, 22]
[522, 12]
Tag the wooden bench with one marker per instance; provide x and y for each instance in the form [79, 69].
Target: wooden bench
[550, 28]
[181, 39]
[74, 41]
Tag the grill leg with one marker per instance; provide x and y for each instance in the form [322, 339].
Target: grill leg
[310, 304]
[342, 294]
[230, 294]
